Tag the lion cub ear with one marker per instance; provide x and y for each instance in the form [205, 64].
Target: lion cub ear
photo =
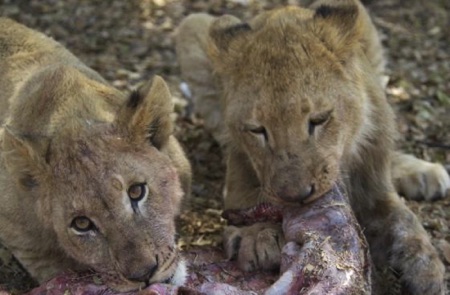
[22, 159]
[223, 31]
[146, 115]
[340, 24]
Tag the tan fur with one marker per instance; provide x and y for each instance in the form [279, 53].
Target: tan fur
[71, 146]
[279, 73]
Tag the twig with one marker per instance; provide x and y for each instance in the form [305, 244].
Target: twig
[434, 144]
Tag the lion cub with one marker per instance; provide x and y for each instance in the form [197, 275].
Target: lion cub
[303, 106]
[90, 178]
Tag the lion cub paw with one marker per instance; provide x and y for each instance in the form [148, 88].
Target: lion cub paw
[255, 247]
[423, 273]
[416, 179]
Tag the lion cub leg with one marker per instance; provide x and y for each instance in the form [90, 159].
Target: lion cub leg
[395, 234]
[401, 237]
[257, 246]
[417, 179]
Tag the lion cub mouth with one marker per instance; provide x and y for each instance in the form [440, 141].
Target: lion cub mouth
[279, 200]
[174, 272]
[178, 278]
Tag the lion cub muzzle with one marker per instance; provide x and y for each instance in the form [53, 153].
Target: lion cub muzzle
[296, 195]
[155, 269]
[143, 273]
[295, 182]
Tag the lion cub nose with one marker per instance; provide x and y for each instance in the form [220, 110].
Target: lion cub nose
[143, 275]
[298, 195]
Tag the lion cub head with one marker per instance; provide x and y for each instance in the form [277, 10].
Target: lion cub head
[295, 83]
[105, 192]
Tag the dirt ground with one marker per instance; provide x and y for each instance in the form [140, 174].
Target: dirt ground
[129, 41]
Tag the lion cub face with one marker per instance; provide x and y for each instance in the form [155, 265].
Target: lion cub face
[113, 206]
[291, 102]
[108, 192]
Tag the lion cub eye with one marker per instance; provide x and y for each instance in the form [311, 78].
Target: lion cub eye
[82, 224]
[137, 192]
[259, 131]
[318, 120]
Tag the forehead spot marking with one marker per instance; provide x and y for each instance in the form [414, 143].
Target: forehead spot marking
[117, 184]
[305, 108]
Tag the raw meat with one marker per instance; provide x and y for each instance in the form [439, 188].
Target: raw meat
[326, 253]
